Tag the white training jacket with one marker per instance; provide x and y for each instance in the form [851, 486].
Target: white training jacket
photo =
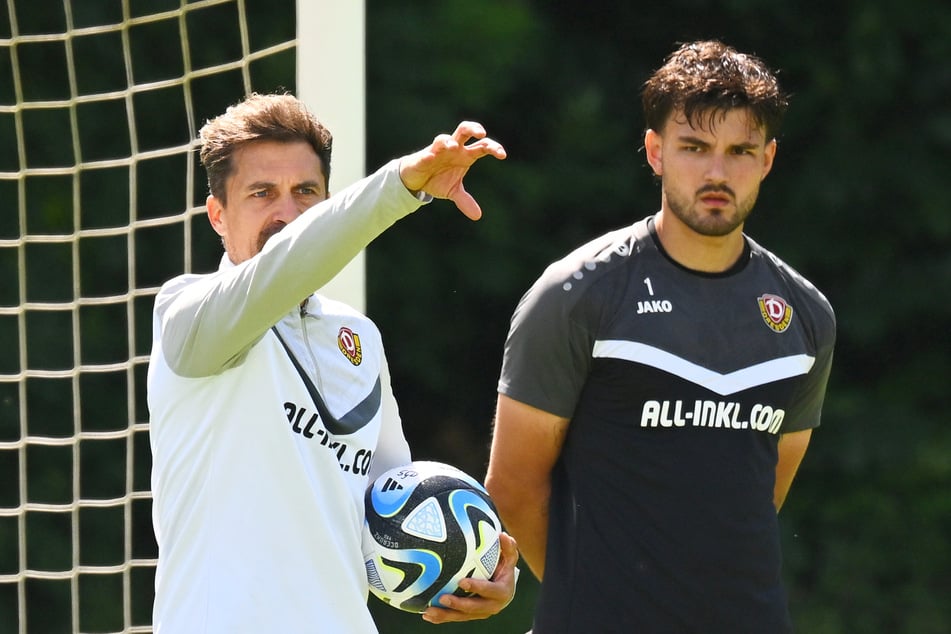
[258, 499]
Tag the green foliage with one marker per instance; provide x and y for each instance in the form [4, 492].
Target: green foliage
[856, 202]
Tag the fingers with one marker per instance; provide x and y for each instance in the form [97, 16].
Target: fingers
[466, 131]
[489, 596]
[439, 169]
[488, 147]
[445, 143]
[482, 146]
[509, 548]
[457, 609]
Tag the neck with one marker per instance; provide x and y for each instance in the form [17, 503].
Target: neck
[697, 252]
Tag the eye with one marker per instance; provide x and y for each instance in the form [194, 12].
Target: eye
[308, 191]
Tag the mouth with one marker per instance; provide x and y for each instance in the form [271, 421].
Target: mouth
[716, 198]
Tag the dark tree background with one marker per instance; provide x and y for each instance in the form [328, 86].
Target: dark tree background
[856, 202]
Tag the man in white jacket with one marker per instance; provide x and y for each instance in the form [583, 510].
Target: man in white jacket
[271, 406]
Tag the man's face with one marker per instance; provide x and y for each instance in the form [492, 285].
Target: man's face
[273, 183]
[710, 177]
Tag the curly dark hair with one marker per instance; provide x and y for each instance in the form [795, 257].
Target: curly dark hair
[705, 80]
[273, 117]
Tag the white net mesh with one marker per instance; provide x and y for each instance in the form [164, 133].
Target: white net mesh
[101, 200]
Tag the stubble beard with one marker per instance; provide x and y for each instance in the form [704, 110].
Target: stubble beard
[714, 222]
[262, 239]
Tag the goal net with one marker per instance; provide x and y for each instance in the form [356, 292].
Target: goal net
[102, 200]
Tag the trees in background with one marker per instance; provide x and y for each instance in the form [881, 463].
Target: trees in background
[857, 202]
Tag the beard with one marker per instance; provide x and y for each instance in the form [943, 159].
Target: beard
[714, 222]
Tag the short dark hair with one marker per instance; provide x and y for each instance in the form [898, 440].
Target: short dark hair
[707, 79]
[273, 117]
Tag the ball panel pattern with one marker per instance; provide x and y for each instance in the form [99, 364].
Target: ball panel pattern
[428, 525]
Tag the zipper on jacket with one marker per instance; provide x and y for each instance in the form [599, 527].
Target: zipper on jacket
[310, 352]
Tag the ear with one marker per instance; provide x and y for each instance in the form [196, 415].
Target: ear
[653, 148]
[769, 155]
[215, 214]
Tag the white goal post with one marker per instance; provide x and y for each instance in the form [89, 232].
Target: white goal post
[330, 80]
[100, 201]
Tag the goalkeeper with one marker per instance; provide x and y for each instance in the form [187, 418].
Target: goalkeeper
[258, 496]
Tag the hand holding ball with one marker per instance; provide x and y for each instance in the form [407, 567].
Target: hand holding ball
[428, 526]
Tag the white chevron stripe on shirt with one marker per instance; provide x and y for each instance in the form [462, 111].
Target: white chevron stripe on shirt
[723, 384]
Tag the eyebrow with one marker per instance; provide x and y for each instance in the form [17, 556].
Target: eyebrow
[692, 140]
[315, 184]
[749, 145]
[259, 185]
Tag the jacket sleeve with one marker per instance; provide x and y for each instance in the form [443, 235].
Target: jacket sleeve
[207, 323]
[392, 450]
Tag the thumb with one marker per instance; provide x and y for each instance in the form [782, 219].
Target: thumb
[466, 203]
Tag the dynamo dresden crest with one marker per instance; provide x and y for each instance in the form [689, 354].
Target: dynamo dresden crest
[775, 311]
[349, 344]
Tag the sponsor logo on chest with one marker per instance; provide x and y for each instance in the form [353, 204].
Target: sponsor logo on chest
[712, 414]
[351, 458]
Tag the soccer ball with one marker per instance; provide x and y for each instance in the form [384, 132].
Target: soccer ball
[428, 526]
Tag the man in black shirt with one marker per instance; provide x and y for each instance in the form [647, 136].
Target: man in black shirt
[660, 384]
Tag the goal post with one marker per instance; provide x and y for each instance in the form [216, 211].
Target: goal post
[102, 200]
[331, 81]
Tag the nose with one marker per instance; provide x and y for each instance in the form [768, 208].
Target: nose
[716, 169]
[286, 209]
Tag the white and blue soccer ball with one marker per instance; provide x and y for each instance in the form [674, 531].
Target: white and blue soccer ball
[428, 526]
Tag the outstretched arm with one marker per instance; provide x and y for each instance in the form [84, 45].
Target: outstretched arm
[439, 168]
[208, 325]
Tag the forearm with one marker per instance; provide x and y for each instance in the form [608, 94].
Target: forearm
[792, 449]
[529, 526]
[526, 443]
[524, 513]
